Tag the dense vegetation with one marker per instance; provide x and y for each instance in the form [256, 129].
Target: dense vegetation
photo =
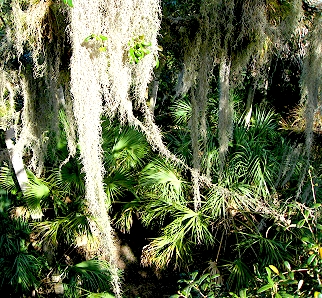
[151, 149]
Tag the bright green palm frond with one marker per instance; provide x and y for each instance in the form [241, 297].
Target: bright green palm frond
[263, 125]
[24, 272]
[186, 229]
[220, 200]
[124, 220]
[217, 202]
[6, 180]
[179, 140]
[181, 112]
[253, 164]
[268, 251]
[91, 275]
[164, 249]
[156, 210]
[48, 230]
[161, 177]
[196, 225]
[239, 275]
[125, 149]
[37, 189]
[117, 183]
[69, 178]
[65, 229]
[76, 225]
[210, 161]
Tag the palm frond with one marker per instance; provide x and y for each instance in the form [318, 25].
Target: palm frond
[124, 220]
[125, 148]
[179, 141]
[181, 111]
[161, 177]
[6, 180]
[239, 274]
[117, 183]
[26, 269]
[220, 200]
[91, 275]
[65, 229]
[69, 178]
[36, 190]
[161, 251]
[269, 251]
[187, 228]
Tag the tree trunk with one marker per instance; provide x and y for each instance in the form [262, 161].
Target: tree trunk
[225, 117]
[16, 160]
[154, 94]
[249, 104]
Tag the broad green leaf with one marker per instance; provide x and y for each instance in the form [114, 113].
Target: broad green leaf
[278, 295]
[269, 272]
[157, 63]
[319, 226]
[103, 37]
[274, 269]
[301, 223]
[69, 2]
[270, 281]
[242, 293]
[282, 276]
[202, 278]
[194, 275]
[310, 259]
[306, 213]
[317, 205]
[264, 288]
[285, 295]
[306, 239]
[100, 295]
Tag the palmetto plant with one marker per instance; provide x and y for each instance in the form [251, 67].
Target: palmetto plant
[125, 153]
[21, 267]
[86, 279]
[247, 184]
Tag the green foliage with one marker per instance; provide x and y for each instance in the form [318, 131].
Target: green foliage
[64, 229]
[100, 38]
[138, 49]
[21, 267]
[90, 277]
[193, 285]
[68, 2]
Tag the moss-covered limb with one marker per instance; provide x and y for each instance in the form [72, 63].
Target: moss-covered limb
[225, 118]
[311, 88]
[16, 160]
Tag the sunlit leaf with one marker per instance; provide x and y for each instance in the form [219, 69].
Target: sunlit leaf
[301, 223]
[310, 259]
[275, 270]
[264, 288]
